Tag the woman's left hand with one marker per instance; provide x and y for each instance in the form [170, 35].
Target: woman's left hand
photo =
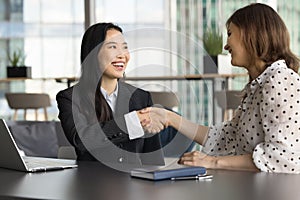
[197, 158]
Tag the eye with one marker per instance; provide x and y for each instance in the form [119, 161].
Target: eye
[112, 46]
[228, 34]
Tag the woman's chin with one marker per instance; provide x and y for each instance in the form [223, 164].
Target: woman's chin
[120, 76]
[233, 63]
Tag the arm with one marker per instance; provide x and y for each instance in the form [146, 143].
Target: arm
[192, 130]
[68, 115]
[160, 116]
[199, 134]
[280, 149]
[77, 127]
[239, 162]
[236, 162]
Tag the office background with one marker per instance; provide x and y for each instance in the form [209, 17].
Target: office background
[49, 33]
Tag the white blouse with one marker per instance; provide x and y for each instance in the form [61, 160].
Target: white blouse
[266, 124]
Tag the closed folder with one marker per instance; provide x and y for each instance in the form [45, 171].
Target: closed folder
[163, 174]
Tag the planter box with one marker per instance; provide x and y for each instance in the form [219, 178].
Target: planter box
[18, 72]
[210, 64]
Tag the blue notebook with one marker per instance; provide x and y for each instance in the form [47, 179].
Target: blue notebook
[164, 174]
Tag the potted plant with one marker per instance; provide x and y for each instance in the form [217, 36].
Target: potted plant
[213, 44]
[16, 67]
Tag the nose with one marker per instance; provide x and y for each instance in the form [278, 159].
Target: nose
[121, 53]
[226, 47]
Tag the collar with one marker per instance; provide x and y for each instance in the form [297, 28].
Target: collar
[114, 94]
[261, 79]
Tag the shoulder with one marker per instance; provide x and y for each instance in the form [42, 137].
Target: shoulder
[66, 93]
[279, 68]
[278, 73]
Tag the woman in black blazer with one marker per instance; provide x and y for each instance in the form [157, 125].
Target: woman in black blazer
[92, 112]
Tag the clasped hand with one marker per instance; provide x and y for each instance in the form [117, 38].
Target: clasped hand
[153, 119]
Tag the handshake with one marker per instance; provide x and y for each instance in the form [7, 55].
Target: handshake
[153, 119]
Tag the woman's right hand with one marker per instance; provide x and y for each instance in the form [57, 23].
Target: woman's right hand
[153, 119]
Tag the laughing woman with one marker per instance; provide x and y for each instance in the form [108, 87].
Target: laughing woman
[98, 115]
[264, 134]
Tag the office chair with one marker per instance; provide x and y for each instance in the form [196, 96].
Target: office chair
[28, 101]
[228, 100]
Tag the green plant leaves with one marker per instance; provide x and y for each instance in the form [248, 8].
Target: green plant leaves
[17, 58]
[212, 42]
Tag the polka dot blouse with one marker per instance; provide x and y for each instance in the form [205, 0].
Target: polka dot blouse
[266, 124]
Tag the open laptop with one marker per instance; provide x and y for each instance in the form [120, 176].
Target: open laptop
[11, 158]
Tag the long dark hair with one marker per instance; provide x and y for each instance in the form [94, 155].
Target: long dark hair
[91, 98]
[264, 33]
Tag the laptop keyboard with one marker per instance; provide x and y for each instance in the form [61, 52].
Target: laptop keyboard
[41, 162]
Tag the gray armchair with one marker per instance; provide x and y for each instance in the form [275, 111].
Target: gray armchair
[41, 138]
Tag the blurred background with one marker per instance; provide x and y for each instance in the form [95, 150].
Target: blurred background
[165, 37]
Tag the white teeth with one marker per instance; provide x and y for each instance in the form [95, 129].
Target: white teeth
[119, 64]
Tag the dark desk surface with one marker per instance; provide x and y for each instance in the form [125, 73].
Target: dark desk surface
[93, 181]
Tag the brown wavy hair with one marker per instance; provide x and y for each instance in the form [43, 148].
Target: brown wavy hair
[264, 34]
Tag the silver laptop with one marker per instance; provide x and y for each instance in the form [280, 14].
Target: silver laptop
[11, 157]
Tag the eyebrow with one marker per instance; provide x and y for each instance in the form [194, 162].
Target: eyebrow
[125, 43]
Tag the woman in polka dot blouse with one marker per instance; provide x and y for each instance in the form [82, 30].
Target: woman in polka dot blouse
[264, 134]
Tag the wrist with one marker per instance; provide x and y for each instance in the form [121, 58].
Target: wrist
[215, 162]
[168, 118]
[172, 119]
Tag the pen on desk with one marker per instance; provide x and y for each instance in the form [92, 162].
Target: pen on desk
[184, 178]
[205, 177]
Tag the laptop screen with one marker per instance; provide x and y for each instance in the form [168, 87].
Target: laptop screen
[9, 153]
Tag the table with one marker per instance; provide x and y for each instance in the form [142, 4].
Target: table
[92, 180]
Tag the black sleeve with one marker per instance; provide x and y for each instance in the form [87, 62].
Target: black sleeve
[87, 136]
[84, 130]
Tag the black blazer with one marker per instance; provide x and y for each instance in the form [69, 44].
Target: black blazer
[107, 141]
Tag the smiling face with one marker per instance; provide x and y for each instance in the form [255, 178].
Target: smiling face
[239, 55]
[113, 55]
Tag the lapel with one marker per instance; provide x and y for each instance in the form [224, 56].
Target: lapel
[122, 104]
